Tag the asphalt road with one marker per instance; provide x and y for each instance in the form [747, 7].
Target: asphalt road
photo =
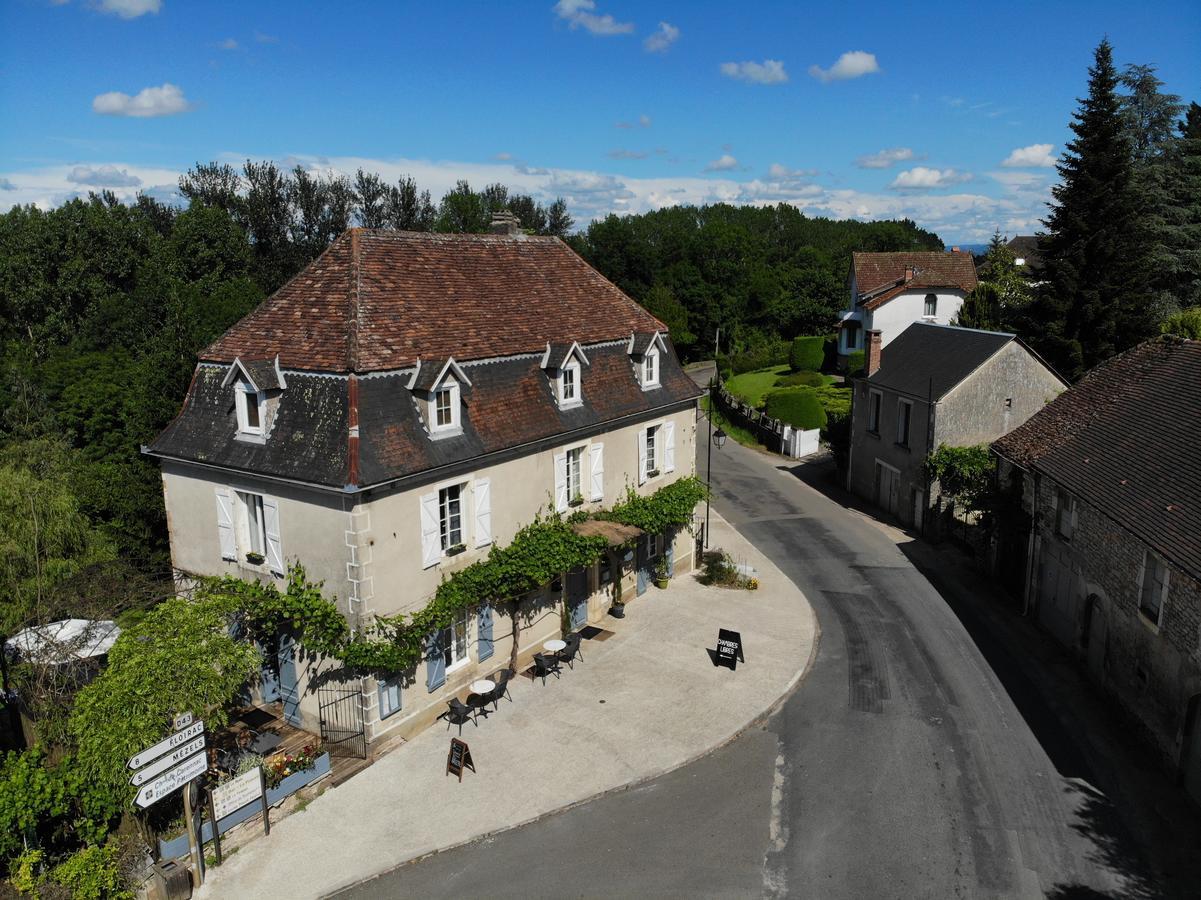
[902, 766]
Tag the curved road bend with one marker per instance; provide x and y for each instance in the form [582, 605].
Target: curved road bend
[900, 766]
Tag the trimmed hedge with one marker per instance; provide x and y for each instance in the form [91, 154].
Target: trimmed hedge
[802, 379]
[762, 357]
[798, 407]
[807, 354]
[856, 361]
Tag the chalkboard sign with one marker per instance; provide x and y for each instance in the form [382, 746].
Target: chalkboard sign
[729, 648]
[459, 758]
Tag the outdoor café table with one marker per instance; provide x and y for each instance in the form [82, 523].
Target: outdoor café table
[479, 695]
[554, 646]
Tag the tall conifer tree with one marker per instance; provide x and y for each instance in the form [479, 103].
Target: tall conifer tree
[1094, 301]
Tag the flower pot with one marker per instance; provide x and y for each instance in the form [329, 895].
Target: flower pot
[255, 559]
[618, 610]
[661, 583]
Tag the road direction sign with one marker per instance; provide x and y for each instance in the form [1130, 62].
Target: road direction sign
[180, 737]
[163, 763]
[173, 779]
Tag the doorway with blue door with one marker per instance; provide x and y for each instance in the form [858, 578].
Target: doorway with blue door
[577, 599]
[289, 681]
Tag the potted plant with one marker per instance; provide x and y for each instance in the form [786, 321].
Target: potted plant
[660, 573]
[618, 609]
[577, 500]
[456, 549]
[255, 559]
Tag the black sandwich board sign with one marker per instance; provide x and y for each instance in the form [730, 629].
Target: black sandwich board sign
[729, 648]
[459, 758]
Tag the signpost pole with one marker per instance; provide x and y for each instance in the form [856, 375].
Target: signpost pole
[190, 820]
[263, 794]
[216, 831]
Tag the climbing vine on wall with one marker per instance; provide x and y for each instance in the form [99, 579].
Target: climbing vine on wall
[540, 552]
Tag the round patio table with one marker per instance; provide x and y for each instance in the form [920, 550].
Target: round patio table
[554, 646]
[483, 686]
[478, 698]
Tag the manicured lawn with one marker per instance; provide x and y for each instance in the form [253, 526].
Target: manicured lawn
[744, 437]
[751, 386]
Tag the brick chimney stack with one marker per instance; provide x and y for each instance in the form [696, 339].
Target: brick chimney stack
[909, 273]
[871, 361]
[505, 222]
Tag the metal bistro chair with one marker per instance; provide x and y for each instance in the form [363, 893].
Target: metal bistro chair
[458, 713]
[569, 653]
[501, 679]
[479, 703]
[544, 666]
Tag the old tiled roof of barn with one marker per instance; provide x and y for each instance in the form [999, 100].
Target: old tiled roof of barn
[882, 275]
[379, 300]
[443, 303]
[1127, 440]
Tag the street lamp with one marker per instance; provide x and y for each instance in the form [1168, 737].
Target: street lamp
[715, 437]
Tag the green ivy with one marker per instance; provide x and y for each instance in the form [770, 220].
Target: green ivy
[539, 553]
[964, 473]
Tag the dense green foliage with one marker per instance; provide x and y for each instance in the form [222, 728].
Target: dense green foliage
[803, 379]
[33, 802]
[1002, 294]
[761, 274]
[963, 473]
[93, 873]
[1186, 324]
[807, 354]
[798, 407]
[856, 360]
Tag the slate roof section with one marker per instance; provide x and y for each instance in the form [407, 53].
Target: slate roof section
[1026, 248]
[881, 276]
[927, 358]
[1126, 440]
[307, 441]
[379, 300]
[511, 404]
[262, 373]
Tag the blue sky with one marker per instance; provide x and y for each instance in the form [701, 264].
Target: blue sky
[846, 109]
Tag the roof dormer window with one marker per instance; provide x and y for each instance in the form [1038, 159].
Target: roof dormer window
[650, 369]
[438, 387]
[446, 406]
[251, 405]
[569, 384]
[645, 350]
[563, 364]
[255, 383]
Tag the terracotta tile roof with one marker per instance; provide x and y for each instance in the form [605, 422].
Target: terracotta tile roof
[1127, 441]
[881, 276]
[379, 300]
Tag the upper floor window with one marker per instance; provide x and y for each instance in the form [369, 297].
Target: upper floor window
[569, 384]
[575, 460]
[650, 368]
[446, 406]
[250, 409]
[904, 415]
[652, 448]
[450, 515]
[875, 398]
[931, 306]
[1065, 514]
[1154, 588]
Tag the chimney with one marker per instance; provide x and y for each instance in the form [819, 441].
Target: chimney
[871, 360]
[504, 222]
[910, 271]
[954, 249]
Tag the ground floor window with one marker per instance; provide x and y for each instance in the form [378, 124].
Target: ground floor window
[389, 696]
[455, 651]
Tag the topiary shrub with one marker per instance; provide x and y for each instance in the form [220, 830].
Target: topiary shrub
[798, 407]
[806, 354]
[774, 353]
[856, 361]
[802, 379]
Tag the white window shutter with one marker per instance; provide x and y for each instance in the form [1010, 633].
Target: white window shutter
[597, 455]
[483, 512]
[642, 456]
[669, 446]
[275, 550]
[225, 524]
[431, 534]
[561, 481]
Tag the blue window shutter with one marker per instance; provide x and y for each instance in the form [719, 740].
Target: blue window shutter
[485, 630]
[435, 662]
[669, 544]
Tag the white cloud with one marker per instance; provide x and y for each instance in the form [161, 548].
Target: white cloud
[503, 155]
[580, 14]
[885, 158]
[103, 176]
[150, 102]
[228, 44]
[853, 64]
[923, 178]
[723, 163]
[658, 41]
[627, 154]
[1036, 156]
[6, 185]
[130, 9]
[782, 173]
[644, 121]
[770, 71]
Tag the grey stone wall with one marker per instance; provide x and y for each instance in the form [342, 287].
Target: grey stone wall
[975, 411]
[867, 448]
[1150, 671]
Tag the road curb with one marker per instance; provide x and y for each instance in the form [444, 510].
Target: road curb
[758, 719]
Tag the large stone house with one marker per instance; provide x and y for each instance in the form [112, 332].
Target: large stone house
[891, 291]
[399, 407]
[933, 385]
[1108, 475]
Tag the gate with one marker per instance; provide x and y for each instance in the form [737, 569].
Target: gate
[342, 722]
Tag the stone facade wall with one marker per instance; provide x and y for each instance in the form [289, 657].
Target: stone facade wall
[869, 448]
[1093, 609]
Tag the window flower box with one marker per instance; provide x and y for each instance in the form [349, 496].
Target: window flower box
[653, 473]
[255, 559]
[577, 500]
[456, 549]
[177, 846]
